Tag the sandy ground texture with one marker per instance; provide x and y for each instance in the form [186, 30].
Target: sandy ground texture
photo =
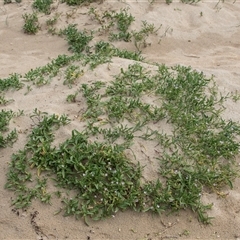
[205, 36]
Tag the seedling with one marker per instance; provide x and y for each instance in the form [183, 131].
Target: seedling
[71, 98]
[78, 40]
[168, 1]
[10, 1]
[31, 24]
[140, 37]
[12, 82]
[4, 101]
[72, 73]
[110, 19]
[123, 20]
[43, 6]
[51, 22]
[235, 96]
[106, 25]
[190, 1]
[11, 137]
[78, 2]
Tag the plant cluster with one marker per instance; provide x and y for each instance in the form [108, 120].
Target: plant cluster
[31, 23]
[11, 82]
[7, 138]
[122, 20]
[4, 101]
[42, 75]
[77, 40]
[198, 154]
[72, 73]
[78, 2]
[43, 6]
[10, 1]
[51, 22]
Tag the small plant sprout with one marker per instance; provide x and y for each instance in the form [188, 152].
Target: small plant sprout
[72, 73]
[31, 24]
[71, 98]
[43, 6]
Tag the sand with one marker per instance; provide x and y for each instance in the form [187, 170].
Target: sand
[204, 35]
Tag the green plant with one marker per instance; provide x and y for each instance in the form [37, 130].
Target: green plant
[10, 1]
[43, 5]
[51, 22]
[42, 75]
[109, 19]
[10, 138]
[190, 1]
[78, 2]
[235, 96]
[31, 24]
[98, 161]
[4, 101]
[13, 81]
[78, 40]
[71, 98]
[168, 1]
[72, 73]
[123, 20]
[140, 37]
[7, 1]
[106, 25]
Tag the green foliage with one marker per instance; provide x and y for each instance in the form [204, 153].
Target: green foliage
[71, 98]
[190, 1]
[77, 40]
[4, 101]
[72, 73]
[78, 2]
[168, 1]
[42, 75]
[199, 153]
[122, 21]
[31, 24]
[140, 37]
[10, 138]
[51, 22]
[13, 81]
[43, 5]
[10, 1]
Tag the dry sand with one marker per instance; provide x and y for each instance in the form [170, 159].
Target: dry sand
[209, 43]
